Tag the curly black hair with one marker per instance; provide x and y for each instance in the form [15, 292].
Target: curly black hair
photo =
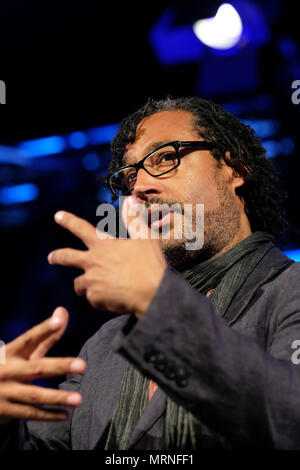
[264, 201]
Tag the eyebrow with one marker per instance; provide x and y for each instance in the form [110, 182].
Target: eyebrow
[148, 149]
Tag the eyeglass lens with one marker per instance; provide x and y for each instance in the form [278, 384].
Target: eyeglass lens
[158, 163]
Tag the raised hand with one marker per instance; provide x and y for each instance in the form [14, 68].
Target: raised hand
[25, 362]
[120, 275]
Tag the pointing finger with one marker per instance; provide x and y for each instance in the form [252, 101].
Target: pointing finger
[78, 226]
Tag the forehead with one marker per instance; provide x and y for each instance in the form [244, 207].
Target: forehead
[158, 129]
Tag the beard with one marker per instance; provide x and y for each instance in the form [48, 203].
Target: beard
[220, 228]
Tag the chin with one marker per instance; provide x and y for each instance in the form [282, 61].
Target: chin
[178, 257]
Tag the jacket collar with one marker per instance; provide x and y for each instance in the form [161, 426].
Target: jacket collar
[272, 264]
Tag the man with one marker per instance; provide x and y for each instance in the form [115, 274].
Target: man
[200, 356]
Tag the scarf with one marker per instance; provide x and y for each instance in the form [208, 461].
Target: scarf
[225, 275]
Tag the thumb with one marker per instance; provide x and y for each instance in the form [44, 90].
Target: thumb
[135, 219]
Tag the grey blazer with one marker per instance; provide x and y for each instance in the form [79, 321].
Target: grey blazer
[234, 373]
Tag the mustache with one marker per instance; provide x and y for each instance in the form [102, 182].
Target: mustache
[177, 206]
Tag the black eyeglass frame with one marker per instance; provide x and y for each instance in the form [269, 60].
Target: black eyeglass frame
[199, 144]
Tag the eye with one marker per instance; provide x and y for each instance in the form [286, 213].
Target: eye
[130, 178]
[166, 157]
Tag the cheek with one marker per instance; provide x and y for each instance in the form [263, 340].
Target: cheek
[200, 190]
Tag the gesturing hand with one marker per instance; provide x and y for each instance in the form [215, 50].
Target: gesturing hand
[25, 362]
[120, 275]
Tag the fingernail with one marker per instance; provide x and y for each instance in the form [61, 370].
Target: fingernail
[55, 321]
[77, 366]
[59, 216]
[49, 257]
[74, 399]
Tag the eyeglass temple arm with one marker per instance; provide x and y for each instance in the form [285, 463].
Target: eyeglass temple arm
[197, 143]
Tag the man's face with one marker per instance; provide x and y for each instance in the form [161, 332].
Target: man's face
[198, 180]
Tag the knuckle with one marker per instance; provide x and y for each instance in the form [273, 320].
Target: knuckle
[61, 256]
[30, 413]
[76, 284]
[63, 366]
[37, 369]
[89, 260]
[8, 350]
[90, 296]
[66, 253]
[61, 398]
[34, 396]
[2, 374]
[94, 299]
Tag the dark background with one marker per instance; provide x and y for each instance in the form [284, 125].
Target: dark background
[73, 65]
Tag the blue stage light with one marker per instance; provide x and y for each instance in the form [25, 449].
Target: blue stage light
[14, 216]
[293, 254]
[18, 194]
[91, 161]
[288, 48]
[104, 195]
[43, 147]
[283, 147]
[287, 145]
[174, 45]
[78, 140]
[103, 134]
[264, 128]
[57, 144]
[272, 148]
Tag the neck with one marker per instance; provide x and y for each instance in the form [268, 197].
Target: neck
[244, 232]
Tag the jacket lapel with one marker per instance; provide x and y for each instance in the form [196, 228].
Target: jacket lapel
[155, 408]
[268, 268]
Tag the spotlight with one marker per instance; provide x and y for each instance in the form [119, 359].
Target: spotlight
[223, 31]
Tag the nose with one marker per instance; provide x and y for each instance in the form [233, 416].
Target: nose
[146, 185]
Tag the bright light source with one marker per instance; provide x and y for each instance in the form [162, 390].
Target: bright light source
[223, 31]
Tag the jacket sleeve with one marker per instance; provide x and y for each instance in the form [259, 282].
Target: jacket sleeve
[42, 435]
[240, 391]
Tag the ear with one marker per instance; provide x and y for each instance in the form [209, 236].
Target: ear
[236, 172]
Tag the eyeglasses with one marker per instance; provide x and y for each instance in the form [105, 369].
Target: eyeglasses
[157, 163]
